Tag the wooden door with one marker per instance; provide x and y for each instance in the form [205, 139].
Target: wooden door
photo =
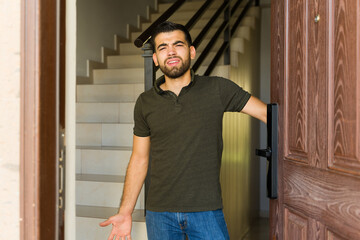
[315, 78]
[42, 114]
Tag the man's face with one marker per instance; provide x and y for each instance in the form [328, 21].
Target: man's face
[172, 53]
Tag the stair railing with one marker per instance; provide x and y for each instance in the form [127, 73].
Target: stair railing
[225, 28]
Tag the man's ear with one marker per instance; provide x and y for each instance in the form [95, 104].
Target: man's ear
[155, 59]
[192, 52]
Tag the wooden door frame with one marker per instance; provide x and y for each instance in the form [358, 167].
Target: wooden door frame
[39, 117]
[276, 95]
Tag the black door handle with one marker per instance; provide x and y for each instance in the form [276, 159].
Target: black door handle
[263, 152]
[271, 152]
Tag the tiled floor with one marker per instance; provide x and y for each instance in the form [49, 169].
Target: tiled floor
[259, 230]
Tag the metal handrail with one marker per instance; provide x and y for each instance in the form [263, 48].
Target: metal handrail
[144, 37]
[208, 47]
[203, 32]
[242, 15]
[226, 44]
[198, 14]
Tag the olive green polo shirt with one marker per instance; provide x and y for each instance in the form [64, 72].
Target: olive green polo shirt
[186, 141]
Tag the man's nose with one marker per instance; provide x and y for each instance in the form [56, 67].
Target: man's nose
[171, 51]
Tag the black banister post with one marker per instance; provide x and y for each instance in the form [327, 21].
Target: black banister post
[149, 82]
[227, 34]
[257, 3]
[148, 66]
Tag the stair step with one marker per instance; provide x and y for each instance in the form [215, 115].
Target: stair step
[109, 92]
[188, 6]
[130, 48]
[106, 212]
[119, 76]
[100, 178]
[110, 161]
[104, 134]
[248, 21]
[184, 15]
[105, 191]
[88, 228]
[104, 194]
[119, 148]
[125, 61]
[220, 70]
[105, 112]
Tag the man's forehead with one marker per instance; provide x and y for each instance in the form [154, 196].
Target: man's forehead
[170, 37]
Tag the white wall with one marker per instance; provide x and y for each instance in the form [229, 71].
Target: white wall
[9, 118]
[70, 121]
[265, 97]
[98, 21]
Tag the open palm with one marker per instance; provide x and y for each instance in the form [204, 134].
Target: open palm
[121, 227]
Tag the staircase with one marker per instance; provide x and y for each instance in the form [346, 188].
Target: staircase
[105, 122]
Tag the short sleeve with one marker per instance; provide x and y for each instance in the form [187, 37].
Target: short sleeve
[141, 128]
[233, 97]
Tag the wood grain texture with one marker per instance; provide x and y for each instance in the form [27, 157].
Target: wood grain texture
[277, 96]
[296, 80]
[344, 90]
[326, 196]
[38, 120]
[333, 236]
[317, 75]
[47, 119]
[296, 226]
[315, 80]
[316, 230]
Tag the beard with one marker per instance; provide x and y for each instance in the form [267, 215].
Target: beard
[176, 71]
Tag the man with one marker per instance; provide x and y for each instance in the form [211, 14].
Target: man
[182, 118]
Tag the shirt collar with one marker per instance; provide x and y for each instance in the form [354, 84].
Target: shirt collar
[161, 80]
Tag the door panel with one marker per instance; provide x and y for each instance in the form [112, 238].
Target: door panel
[295, 225]
[344, 119]
[296, 115]
[327, 196]
[316, 81]
[317, 58]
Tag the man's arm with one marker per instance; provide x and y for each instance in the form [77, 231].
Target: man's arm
[135, 174]
[135, 177]
[256, 108]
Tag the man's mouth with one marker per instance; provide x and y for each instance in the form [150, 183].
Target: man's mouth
[173, 61]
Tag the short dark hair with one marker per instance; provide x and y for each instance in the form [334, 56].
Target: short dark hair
[169, 27]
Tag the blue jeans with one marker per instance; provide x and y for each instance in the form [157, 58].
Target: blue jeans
[195, 225]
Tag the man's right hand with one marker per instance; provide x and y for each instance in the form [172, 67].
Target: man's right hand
[121, 228]
[135, 176]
